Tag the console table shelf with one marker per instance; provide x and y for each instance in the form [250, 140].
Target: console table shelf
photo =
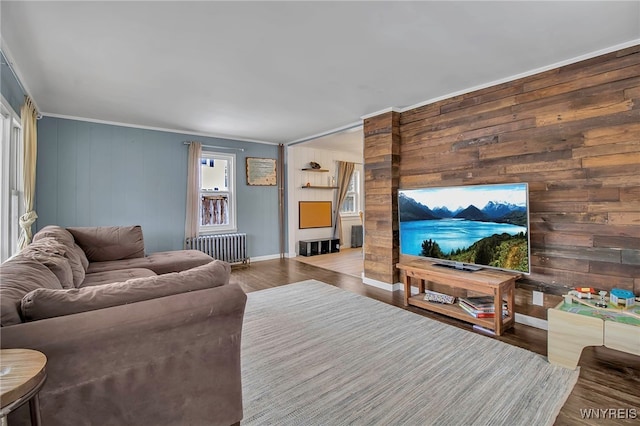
[450, 310]
[498, 284]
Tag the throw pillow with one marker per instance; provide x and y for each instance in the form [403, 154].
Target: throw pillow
[62, 236]
[57, 232]
[51, 253]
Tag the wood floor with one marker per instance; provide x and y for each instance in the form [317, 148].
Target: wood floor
[609, 380]
[347, 261]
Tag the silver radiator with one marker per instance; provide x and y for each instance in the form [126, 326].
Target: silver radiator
[231, 248]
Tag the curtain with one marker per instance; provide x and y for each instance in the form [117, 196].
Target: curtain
[28, 115]
[191, 226]
[345, 171]
[215, 210]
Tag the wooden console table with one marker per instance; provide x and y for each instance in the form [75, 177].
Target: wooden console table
[491, 282]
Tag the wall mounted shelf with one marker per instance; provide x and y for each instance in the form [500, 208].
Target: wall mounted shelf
[317, 182]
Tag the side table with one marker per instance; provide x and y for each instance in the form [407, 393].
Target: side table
[573, 326]
[22, 375]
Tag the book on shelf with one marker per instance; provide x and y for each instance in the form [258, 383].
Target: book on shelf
[481, 303]
[434, 296]
[479, 313]
[484, 330]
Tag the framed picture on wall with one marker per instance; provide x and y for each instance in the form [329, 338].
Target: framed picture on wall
[261, 171]
[315, 214]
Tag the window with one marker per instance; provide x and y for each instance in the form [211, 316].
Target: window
[11, 192]
[351, 203]
[217, 198]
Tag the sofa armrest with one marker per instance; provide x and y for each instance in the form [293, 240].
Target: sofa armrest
[171, 360]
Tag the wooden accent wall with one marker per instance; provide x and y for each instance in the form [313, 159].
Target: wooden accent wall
[381, 176]
[572, 133]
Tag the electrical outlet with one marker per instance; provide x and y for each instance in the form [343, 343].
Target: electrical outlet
[538, 298]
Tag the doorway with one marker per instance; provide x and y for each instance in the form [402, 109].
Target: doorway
[325, 151]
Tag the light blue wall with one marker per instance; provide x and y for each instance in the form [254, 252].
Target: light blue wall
[9, 86]
[91, 174]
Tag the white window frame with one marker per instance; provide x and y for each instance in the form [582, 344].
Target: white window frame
[355, 181]
[12, 190]
[231, 194]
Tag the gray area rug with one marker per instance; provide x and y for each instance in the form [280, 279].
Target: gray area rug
[313, 354]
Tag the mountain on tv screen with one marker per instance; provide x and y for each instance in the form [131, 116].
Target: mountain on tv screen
[481, 225]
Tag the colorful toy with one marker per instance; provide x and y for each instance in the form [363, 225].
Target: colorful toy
[622, 298]
[601, 311]
[581, 294]
[603, 302]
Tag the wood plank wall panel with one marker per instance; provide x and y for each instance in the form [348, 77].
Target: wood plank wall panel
[381, 177]
[572, 133]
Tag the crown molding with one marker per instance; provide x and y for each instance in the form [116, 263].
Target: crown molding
[18, 74]
[15, 69]
[510, 78]
[159, 129]
[382, 111]
[527, 73]
[352, 126]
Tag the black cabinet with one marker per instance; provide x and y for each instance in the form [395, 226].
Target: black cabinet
[319, 246]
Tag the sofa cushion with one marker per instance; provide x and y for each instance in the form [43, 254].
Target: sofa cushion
[77, 259]
[45, 303]
[51, 254]
[119, 275]
[161, 262]
[18, 276]
[53, 231]
[63, 236]
[104, 243]
[83, 257]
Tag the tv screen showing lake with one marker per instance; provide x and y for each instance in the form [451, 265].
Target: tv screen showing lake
[450, 234]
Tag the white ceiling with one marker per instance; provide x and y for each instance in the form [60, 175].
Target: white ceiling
[282, 72]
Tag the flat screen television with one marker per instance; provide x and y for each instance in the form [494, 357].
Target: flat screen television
[467, 227]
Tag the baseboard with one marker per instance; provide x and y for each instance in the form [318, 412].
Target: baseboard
[381, 284]
[267, 257]
[531, 321]
[520, 318]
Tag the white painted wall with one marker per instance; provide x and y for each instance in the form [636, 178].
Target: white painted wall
[347, 223]
[298, 158]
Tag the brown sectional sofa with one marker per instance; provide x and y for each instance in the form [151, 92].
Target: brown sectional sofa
[130, 339]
